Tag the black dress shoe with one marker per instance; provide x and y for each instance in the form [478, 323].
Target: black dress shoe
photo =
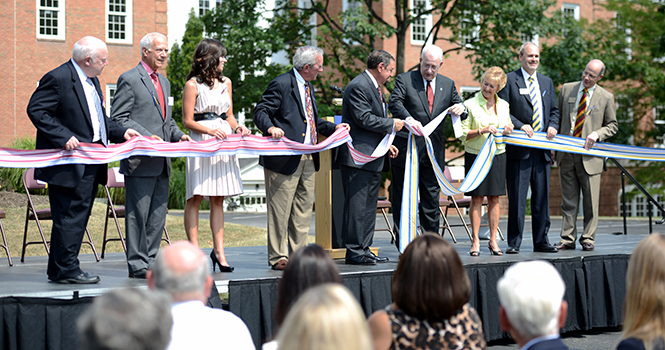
[378, 259]
[83, 278]
[361, 260]
[138, 274]
[546, 249]
[513, 250]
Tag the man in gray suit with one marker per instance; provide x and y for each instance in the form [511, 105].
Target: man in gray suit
[143, 102]
[587, 111]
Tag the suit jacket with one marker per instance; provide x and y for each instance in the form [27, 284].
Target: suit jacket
[602, 119]
[551, 344]
[409, 99]
[364, 111]
[134, 107]
[521, 110]
[59, 110]
[282, 107]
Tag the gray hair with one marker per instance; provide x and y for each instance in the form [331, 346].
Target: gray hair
[434, 50]
[127, 319]
[531, 293]
[377, 57]
[88, 46]
[306, 55]
[176, 283]
[149, 38]
[524, 45]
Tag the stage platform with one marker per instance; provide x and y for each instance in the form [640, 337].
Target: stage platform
[32, 307]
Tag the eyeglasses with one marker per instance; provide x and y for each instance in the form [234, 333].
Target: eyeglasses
[165, 51]
[585, 73]
[428, 67]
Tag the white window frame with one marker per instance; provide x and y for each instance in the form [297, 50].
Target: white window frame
[424, 21]
[306, 4]
[575, 10]
[476, 29]
[351, 5]
[468, 90]
[111, 89]
[659, 119]
[60, 10]
[534, 39]
[129, 19]
[201, 10]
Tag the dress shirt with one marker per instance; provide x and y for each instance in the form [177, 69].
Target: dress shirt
[539, 95]
[303, 98]
[538, 340]
[573, 117]
[376, 85]
[196, 326]
[89, 90]
[433, 82]
[480, 117]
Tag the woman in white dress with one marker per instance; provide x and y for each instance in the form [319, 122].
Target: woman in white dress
[208, 112]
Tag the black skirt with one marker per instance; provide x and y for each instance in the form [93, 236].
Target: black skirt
[495, 182]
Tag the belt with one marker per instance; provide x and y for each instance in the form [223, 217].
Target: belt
[208, 116]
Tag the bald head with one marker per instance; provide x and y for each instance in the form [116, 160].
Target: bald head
[593, 72]
[91, 54]
[182, 270]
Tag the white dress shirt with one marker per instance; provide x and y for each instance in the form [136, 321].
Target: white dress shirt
[89, 90]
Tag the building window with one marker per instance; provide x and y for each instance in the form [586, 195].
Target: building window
[571, 10]
[469, 28]
[527, 38]
[51, 19]
[624, 115]
[352, 10]
[119, 21]
[421, 26]
[468, 91]
[637, 204]
[204, 6]
[310, 38]
[659, 125]
[110, 93]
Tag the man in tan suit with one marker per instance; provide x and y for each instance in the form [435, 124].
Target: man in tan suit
[587, 111]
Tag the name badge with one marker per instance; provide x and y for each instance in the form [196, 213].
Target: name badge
[572, 99]
[170, 103]
[524, 91]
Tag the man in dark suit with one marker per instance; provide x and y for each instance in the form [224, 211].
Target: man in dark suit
[288, 109]
[365, 111]
[143, 101]
[587, 111]
[67, 108]
[532, 309]
[423, 95]
[532, 108]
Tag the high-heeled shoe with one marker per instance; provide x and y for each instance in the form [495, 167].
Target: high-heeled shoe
[492, 251]
[222, 268]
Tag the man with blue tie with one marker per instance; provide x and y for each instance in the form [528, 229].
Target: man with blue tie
[532, 109]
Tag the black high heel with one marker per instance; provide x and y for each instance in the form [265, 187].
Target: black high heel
[222, 268]
[492, 251]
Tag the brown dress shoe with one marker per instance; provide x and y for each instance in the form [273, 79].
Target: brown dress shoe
[279, 265]
[562, 246]
[586, 246]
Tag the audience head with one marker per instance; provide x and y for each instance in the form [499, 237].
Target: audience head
[325, 317]
[431, 60]
[307, 267]
[644, 307]
[308, 61]
[182, 270]
[154, 50]
[208, 62]
[529, 57]
[128, 319]
[91, 54]
[382, 65]
[419, 295]
[592, 73]
[531, 297]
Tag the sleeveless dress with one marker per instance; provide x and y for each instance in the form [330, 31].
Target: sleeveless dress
[219, 175]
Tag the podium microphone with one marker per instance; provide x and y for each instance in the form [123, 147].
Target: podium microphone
[337, 89]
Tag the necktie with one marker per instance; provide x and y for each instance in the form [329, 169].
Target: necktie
[581, 113]
[383, 107]
[533, 94]
[100, 114]
[160, 93]
[310, 115]
[430, 96]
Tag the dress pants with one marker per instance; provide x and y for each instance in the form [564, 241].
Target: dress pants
[573, 179]
[70, 210]
[520, 173]
[428, 189]
[146, 206]
[290, 199]
[361, 193]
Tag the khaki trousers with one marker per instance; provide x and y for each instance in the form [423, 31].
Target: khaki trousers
[574, 178]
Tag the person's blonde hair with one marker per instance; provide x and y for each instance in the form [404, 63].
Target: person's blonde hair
[644, 307]
[495, 74]
[326, 317]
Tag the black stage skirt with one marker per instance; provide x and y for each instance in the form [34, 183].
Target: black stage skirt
[495, 182]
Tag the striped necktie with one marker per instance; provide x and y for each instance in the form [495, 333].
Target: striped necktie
[536, 119]
[581, 114]
[100, 114]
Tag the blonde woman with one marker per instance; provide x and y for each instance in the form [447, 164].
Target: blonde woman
[644, 307]
[326, 317]
[487, 113]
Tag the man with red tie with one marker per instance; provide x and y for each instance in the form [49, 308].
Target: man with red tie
[587, 111]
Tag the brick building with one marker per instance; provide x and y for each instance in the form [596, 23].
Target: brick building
[39, 35]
